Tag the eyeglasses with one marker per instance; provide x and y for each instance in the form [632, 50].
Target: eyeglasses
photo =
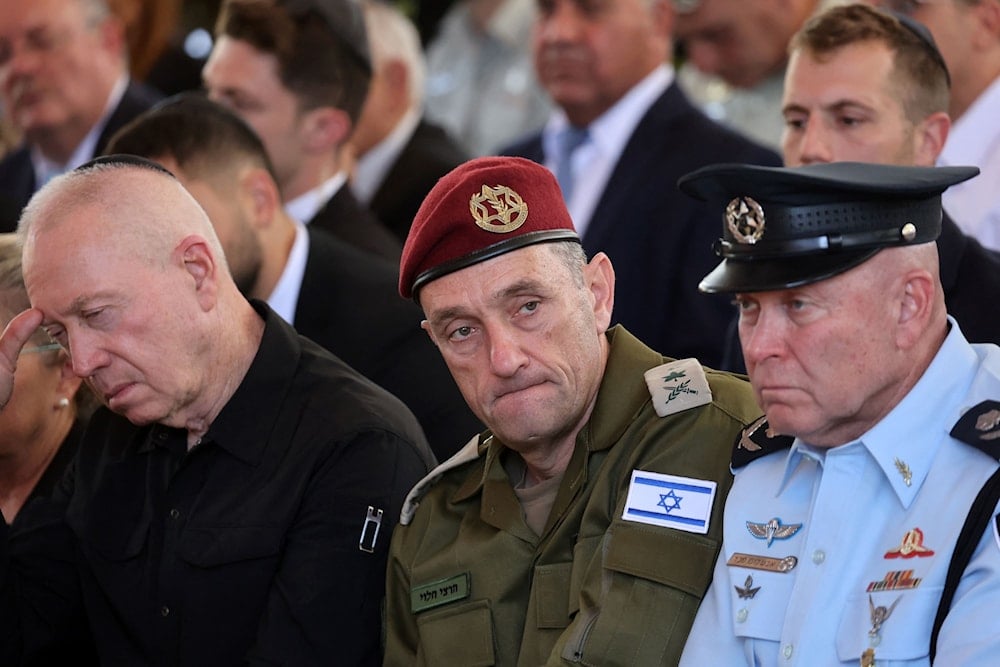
[41, 348]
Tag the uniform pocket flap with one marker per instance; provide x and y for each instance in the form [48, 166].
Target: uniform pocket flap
[675, 558]
[208, 547]
[905, 633]
[458, 635]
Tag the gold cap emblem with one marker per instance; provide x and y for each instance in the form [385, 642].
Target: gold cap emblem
[498, 209]
[745, 219]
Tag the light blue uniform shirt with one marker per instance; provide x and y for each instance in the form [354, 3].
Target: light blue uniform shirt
[864, 532]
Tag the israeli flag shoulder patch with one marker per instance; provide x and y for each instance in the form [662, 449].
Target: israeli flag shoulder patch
[677, 386]
[670, 501]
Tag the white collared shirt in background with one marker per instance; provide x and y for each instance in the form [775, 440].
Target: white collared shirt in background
[284, 298]
[975, 140]
[46, 169]
[305, 207]
[595, 160]
[372, 167]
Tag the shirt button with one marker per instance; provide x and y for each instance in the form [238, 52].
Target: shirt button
[164, 611]
[819, 556]
[741, 615]
[787, 651]
[175, 513]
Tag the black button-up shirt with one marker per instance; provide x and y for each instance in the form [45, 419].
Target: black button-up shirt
[247, 549]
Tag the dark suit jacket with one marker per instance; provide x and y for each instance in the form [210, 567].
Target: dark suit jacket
[347, 219]
[17, 175]
[970, 276]
[430, 154]
[348, 303]
[660, 240]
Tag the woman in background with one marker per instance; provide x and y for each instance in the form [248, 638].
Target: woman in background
[40, 427]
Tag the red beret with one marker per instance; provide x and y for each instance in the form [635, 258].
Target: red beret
[481, 209]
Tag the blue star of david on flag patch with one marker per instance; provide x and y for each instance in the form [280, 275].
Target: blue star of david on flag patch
[669, 501]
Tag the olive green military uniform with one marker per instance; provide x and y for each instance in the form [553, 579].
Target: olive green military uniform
[470, 584]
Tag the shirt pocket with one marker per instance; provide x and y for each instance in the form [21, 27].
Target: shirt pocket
[639, 599]
[760, 600]
[459, 634]
[207, 547]
[905, 634]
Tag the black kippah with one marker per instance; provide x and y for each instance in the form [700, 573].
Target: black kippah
[924, 35]
[121, 160]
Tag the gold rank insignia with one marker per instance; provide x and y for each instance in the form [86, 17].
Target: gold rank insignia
[745, 219]
[498, 209]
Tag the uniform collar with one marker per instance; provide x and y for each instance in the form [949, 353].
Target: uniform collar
[622, 395]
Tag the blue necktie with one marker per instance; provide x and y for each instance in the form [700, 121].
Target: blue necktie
[567, 141]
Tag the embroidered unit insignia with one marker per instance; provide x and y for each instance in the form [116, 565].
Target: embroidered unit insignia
[498, 209]
[677, 386]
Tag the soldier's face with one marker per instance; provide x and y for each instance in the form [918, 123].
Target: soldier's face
[822, 358]
[523, 338]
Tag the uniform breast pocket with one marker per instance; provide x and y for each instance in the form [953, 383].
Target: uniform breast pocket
[760, 599]
[905, 632]
[640, 597]
[458, 634]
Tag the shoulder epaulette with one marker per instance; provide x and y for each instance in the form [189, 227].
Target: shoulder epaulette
[677, 386]
[980, 427]
[754, 442]
[468, 452]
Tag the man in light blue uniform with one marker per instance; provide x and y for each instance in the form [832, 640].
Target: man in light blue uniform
[882, 424]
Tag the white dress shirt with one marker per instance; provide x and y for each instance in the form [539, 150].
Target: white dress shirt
[595, 160]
